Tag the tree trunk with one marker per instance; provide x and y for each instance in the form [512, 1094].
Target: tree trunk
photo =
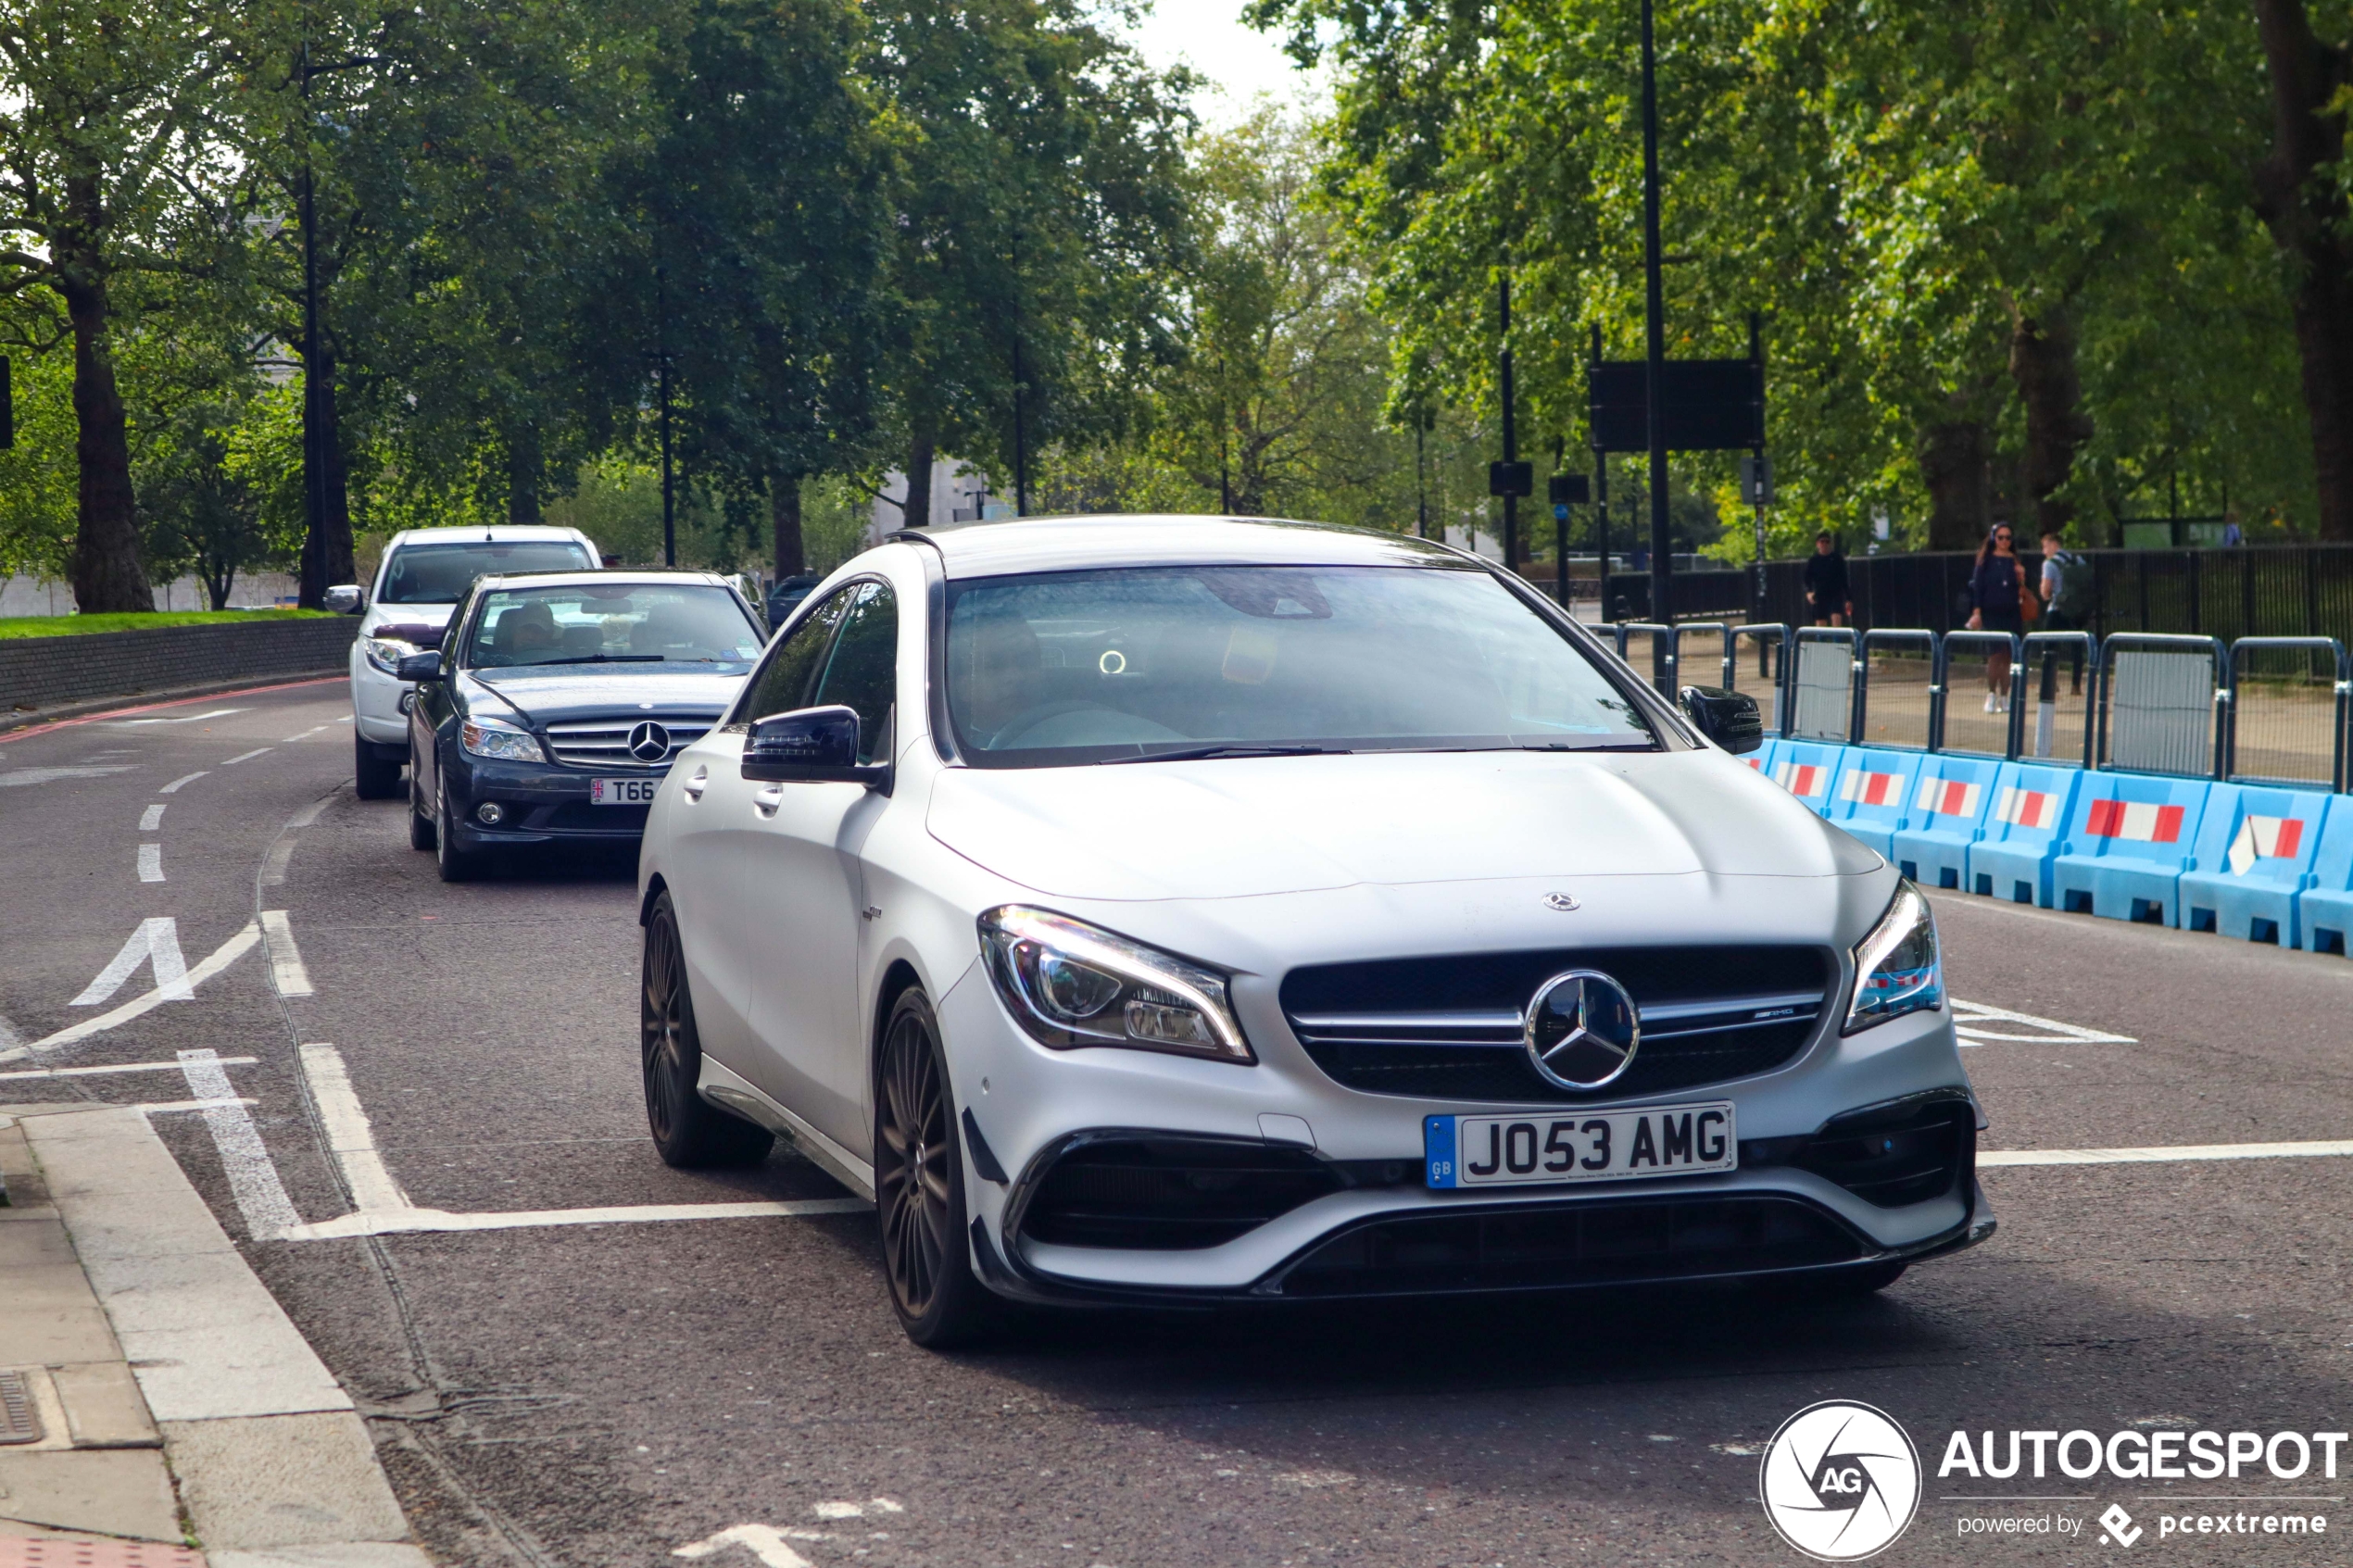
[2297, 196]
[522, 475]
[2042, 367]
[784, 523]
[917, 513]
[108, 574]
[326, 547]
[1952, 455]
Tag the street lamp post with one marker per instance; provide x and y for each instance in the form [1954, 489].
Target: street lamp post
[1511, 436]
[1654, 393]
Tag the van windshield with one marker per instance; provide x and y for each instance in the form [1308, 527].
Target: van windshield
[1145, 662]
[438, 574]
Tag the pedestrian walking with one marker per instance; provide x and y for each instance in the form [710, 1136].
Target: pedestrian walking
[1827, 594]
[2067, 600]
[1998, 588]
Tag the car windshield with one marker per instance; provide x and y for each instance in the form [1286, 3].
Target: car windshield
[593, 625]
[439, 574]
[1159, 661]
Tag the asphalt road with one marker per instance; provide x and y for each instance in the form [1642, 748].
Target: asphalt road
[605, 1394]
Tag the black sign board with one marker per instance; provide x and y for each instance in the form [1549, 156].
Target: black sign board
[1568, 490]
[1511, 479]
[1710, 404]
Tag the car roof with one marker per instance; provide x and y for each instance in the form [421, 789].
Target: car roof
[488, 534]
[612, 577]
[1067, 544]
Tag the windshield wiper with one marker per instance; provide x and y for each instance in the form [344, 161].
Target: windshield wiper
[1591, 745]
[1194, 754]
[592, 658]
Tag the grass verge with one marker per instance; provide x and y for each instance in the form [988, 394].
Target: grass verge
[82, 626]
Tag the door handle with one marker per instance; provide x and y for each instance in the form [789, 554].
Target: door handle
[768, 800]
[694, 787]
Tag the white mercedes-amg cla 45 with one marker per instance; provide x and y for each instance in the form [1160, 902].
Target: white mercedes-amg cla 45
[1181, 910]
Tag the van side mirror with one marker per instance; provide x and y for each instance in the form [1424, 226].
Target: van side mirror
[346, 599]
[810, 745]
[1730, 719]
[425, 666]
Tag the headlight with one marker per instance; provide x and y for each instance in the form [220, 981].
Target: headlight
[503, 743]
[1071, 984]
[1897, 967]
[385, 653]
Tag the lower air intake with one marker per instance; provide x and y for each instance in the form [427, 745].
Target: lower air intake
[1168, 1194]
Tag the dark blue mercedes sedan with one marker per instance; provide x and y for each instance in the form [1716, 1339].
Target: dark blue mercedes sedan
[556, 701]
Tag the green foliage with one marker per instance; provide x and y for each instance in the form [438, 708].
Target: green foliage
[82, 626]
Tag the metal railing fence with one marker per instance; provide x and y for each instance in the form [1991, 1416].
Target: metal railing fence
[1896, 690]
[2275, 714]
[1994, 731]
[2164, 704]
[1822, 684]
[2062, 722]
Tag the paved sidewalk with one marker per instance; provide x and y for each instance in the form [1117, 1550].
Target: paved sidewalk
[154, 1400]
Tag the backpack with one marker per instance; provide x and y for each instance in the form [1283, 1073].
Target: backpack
[2074, 595]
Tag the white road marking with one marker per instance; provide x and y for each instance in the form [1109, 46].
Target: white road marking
[2165, 1154]
[51, 776]
[1971, 1020]
[151, 863]
[228, 952]
[157, 943]
[306, 735]
[183, 719]
[763, 1541]
[245, 756]
[273, 865]
[116, 1067]
[253, 1180]
[409, 1220]
[344, 719]
[156, 1106]
[9, 1037]
[173, 787]
[309, 813]
[350, 1140]
[286, 971]
[152, 817]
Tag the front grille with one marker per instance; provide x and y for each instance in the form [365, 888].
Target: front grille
[1169, 1193]
[604, 743]
[1626, 1242]
[1449, 1028]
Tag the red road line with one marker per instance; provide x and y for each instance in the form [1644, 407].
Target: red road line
[10, 736]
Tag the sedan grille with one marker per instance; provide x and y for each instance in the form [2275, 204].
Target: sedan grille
[604, 743]
[1449, 1028]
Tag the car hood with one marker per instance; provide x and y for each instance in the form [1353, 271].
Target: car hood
[577, 691]
[427, 622]
[1250, 827]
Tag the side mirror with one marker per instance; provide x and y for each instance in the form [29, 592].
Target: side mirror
[347, 600]
[425, 666]
[1730, 719]
[810, 745]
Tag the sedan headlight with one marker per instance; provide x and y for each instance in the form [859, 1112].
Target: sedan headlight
[385, 653]
[1897, 967]
[501, 742]
[1070, 984]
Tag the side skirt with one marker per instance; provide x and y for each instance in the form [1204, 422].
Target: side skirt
[735, 1094]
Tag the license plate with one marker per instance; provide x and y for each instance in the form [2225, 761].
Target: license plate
[1614, 1145]
[623, 792]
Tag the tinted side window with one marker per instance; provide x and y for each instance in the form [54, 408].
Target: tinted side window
[782, 682]
[863, 671]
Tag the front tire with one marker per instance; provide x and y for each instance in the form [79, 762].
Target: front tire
[688, 1131]
[453, 863]
[919, 1185]
[372, 778]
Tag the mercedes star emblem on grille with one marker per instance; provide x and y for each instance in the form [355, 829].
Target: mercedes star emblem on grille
[649, 742]
[1582, 1029]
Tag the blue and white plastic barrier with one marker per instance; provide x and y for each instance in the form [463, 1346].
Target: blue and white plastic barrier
[2258, 863]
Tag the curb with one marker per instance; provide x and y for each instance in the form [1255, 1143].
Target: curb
[22, 726]
[274, 1467]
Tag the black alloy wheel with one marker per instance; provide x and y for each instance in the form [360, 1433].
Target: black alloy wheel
[919, 1184]
[688, 1131]
[420, 829]
[455, 864]
[372, 778]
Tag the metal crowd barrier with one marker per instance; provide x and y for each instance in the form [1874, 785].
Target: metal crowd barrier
[2080, 652]
[1822, 684]
[1772, 649]
[2164, 704]
[1662, 640]
[2007, 743]
[1934, 707]
[2340, 690]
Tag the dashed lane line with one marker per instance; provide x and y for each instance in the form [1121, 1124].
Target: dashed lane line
[286, 971]
[173, 787]
[351, 1139]
[228, 952]
[183, 719]
[245, 757]
[306, 735]
[151, 863]
[152, 817]
[273, 864]
[111, 1068]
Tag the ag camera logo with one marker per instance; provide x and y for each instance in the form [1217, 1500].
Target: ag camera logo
[1841, 1481]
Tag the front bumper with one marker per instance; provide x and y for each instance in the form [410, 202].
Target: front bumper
[1371, 1228]
[542, 804]
[376, 708]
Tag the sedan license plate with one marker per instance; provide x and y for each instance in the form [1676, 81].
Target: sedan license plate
[1539, 1146]
[623, 792]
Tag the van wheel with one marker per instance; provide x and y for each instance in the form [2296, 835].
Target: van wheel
[372, 778]
[919, 1185]
[688, 1131]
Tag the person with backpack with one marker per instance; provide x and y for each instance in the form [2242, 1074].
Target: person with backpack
[1997, 587]
[2067, 598]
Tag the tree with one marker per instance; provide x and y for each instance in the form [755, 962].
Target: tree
[114, 160]
[201, 508]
